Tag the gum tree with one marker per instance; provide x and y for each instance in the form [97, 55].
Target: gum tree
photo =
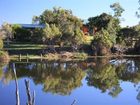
[118, 10]
[68, 25]
[106, 29]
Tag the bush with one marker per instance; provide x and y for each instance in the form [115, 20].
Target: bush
[4, 57]
[1, 44]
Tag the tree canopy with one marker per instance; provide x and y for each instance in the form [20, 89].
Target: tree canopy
[117, 8]
[106, 30]
[61, 22]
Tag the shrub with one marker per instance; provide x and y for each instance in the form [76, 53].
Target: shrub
[4, 57]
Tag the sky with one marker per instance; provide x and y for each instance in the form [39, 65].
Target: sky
[22, 11]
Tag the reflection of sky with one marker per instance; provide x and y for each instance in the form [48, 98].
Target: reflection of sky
[84, 95]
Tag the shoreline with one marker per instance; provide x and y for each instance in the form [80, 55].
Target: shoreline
[37, 57]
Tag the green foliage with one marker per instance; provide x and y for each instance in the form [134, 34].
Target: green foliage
[6, 31]
[127, 36]
[136, 38]
[35, 20]
[37, 36]
[15, 26]
[138, 11]
[115, 91]
[106, 28]
[103, 77]
[118, 10]
[104, 21]
[60, 17]
[62, 77]
[126, 74]
[2, 53]
[47, 31]
[1, 44]
[63, 82]
[2, 65]
[79, 36]
[102, 43]
[137, 31]
[61, 25]
[51, 31]
[27, 35]
[21, 34]
[4, 57]
[57, 79]
[104, 37]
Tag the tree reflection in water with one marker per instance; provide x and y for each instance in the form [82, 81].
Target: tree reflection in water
[1, 70]
[63, 77]
[6, 75]
[57, 78]
[106, 76]
[103, 76]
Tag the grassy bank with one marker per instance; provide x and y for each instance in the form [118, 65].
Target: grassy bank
[34, 51]
[59, 56]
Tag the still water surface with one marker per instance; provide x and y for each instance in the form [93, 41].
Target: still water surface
[91, 82]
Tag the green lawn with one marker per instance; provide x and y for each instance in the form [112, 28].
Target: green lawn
[31, 49]
[25, 46]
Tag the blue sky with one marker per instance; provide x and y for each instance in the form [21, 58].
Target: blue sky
[22, 11]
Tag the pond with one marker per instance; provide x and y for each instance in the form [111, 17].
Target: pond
[101, 81]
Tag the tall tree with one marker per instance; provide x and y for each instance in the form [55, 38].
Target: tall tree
[117, 8]
[107, 27]
[138, 11]
[64, 22]
[104, 21]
